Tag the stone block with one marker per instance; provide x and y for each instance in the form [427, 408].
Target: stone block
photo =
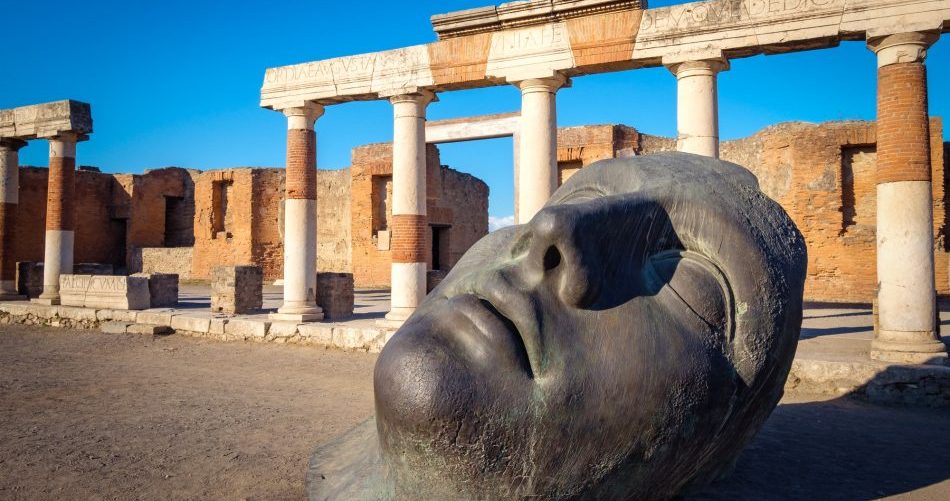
[116, 315]
[158, 317]
[217, 325]
[245, 329]
[282, 330]
[237, 289]
[29, 279]
[77, 313]
[321, 334]
[335, 294]
[114, 327]
[94, 291]
[153, 330]
[162, 288]
[191, 324]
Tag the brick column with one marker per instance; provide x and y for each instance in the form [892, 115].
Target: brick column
[537, 148]
[300, 217]
[907, 330]
[409, 223]
[697, 105]
[60, 215]
[9, 200]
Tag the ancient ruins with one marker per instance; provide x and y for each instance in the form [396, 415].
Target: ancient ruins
[863, 193]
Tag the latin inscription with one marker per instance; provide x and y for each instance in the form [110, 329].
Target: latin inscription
[321, 70]
[92, 283]
[721, 12]
[528, 40]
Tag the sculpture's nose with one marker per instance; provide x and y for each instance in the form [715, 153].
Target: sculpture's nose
[551, 251]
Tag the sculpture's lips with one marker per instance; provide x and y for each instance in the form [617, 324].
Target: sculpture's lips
[499, 330]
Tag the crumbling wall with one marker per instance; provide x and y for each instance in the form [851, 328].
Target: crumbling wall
[334, 226]
[223, 220]
[267, 221]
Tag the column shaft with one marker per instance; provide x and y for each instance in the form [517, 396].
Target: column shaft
[60, 215]
[410, 222]
[697, 106]
[537, 149]
[907, 330]
[300, 217]
[9, 200]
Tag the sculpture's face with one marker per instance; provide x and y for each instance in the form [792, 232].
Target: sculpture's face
[574, 353]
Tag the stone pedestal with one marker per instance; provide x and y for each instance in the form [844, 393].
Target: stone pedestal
[410, 221]
[29, 279]
[335, 295]
[60, 216]
[162, 289]
[300, 217]
[907, 330]
[237, 289]
[9, 201]
[108, 292]
[697, 104]
[537, 145]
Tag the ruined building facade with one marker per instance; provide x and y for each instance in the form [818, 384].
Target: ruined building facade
[187, 222]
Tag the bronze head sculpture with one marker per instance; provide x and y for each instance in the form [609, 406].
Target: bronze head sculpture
[626, 343]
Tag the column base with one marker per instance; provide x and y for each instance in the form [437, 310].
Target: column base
[306, 313]
[48, 301]
[396, 317]
[916, 347]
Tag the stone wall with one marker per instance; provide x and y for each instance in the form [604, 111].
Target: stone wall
[224, 201]
[334, 223]
[172, 260]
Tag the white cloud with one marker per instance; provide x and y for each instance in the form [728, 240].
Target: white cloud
[496, 223]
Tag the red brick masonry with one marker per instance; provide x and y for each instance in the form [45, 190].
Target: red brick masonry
[301, 164]
[8, 237]
[409, 238]
[903, 148]
[60, 199]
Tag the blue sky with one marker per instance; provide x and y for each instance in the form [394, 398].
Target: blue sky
[177, 83]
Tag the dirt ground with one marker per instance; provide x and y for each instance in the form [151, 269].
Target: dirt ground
[85, 415]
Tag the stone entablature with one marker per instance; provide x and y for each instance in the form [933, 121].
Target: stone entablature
[598, 42]
[95, 291]
[520, 14]
[46, 120]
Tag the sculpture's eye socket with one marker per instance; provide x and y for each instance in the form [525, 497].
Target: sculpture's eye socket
[693, 281]
[582, 195]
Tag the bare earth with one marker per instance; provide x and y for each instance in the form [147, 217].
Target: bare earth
[85, 415]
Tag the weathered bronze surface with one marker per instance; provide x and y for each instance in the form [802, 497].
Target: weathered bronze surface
[626, 343]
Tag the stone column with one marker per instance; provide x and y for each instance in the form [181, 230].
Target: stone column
[9, 200]
[697, 105]
[537, 148]
[905, 244]
[60, 215]
[409, 223]
[300, 217]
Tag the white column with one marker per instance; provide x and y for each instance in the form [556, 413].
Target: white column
[697, 105]
[300, 217]
[409, 225]
[9, 200]
[907, 326]
[537, 148]
[60, 215]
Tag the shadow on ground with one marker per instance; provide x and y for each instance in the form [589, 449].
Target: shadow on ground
[842, 449]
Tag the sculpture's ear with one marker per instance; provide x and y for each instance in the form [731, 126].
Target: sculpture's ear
[693, 282]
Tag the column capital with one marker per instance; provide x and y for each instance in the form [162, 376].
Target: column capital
[697, 67]
[415, 103]
[11, 143]
[63, 144]
[908, 47]
[550, 85]
[302, 116]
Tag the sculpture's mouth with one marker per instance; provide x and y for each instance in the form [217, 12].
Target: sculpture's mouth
[499, 330]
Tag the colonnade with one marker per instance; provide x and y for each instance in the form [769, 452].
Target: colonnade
[908, 330]
[60, 214]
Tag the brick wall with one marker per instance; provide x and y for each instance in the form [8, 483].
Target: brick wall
[215, 248]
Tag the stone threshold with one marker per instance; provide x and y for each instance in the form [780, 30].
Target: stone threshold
[871, 380]
[199, 324]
